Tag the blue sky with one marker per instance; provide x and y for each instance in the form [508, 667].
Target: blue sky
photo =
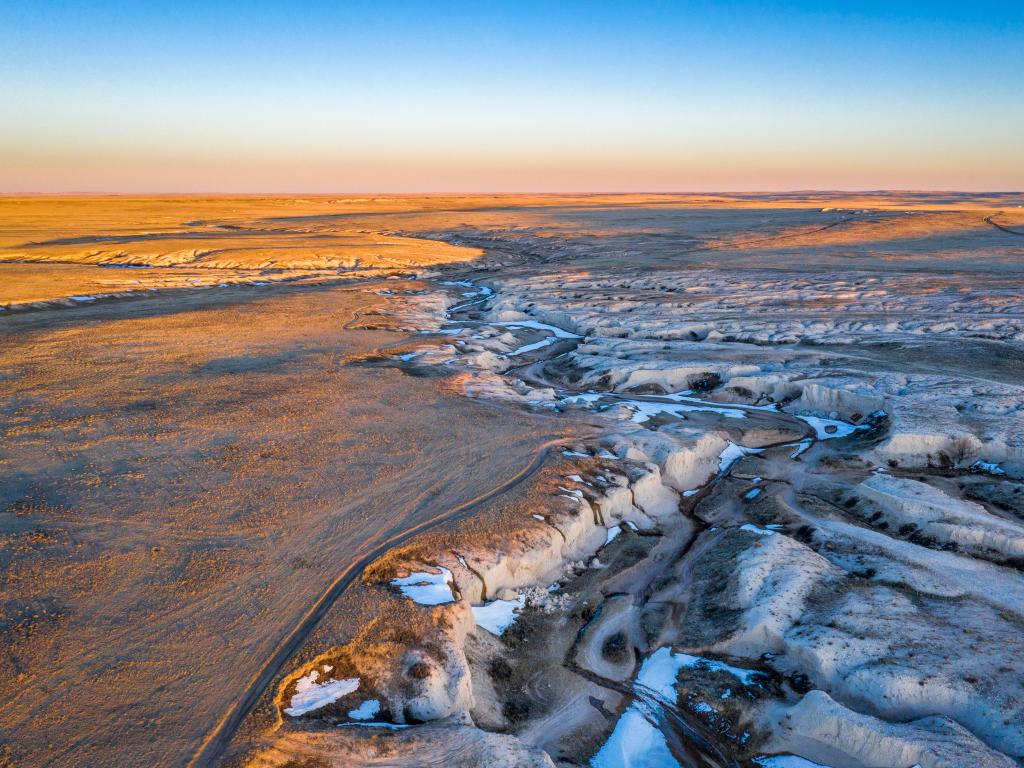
[226, 96]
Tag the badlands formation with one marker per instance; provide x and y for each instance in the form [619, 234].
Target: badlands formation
[795, 540]
[776, 517]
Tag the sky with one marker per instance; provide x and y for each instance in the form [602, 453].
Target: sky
[485, 96]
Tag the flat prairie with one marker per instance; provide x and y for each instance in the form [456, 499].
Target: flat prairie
[182, 479]
[231, 426]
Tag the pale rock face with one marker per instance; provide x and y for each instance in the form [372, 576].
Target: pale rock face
[505, 311]
[532, 558]
[947, 520]
[817, 398]
[668, 379]
[920, 449]
[637, 364]
[822, 730]
[616, 505]
[574, 529]
[582, 538]
[687, 458]
[410, 680]
[759, 308]
[775, 386]
[492, 386]
[666, 376]
[421, 686]
[919, 632]
[489, 361]
[880, 652]
[736, 330]
[445, 688]
[774, 579]
[939, 421]
[658, 502]
[909, 645]
[441, 691]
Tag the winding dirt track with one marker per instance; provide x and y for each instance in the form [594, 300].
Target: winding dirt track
[991, 220]
[196, 478]
[189, 482]
[218, 740]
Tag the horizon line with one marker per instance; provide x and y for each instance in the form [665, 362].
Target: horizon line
[508, 193]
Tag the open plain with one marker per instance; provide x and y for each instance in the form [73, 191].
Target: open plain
[639, 480]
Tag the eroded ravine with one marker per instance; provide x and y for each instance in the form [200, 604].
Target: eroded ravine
[776, 460]
[689, 738]
[218, 740]
[234, 448]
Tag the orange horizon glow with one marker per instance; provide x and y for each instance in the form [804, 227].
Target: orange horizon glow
[528, 97]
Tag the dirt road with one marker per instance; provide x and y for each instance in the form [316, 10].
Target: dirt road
[185, 480]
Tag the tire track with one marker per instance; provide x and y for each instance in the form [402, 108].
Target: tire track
[217, 740]
[997, 225]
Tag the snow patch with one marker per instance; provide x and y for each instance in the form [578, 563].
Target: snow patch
[732, 454]
[988, 466]
[498, 615]
[560, 333]
[366, 710]
[827, 429]
[310, 695]
[635, 742]
[546, 342]
[427, 588]
[802, 446]
[787, 761]
[643, 410]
